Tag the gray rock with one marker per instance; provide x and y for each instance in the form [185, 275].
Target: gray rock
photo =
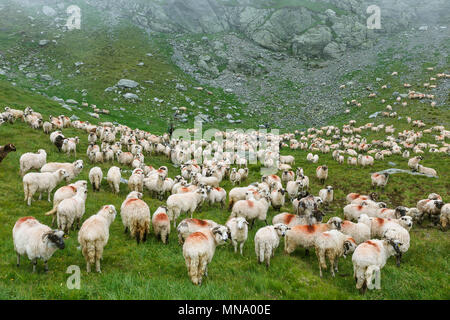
[110, 89]
[312, 42]
[31, 75]
[79, 63]
[180, 87]
[43, 42]
[74, 117]
[59, 100]
[48, 11]
[126, 83]
[46, 77]
[71, 101]
[65, 106]
[131, 96]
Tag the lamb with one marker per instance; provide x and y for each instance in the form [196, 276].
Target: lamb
[332, 244]
[65, 192]
[113, 177]
[445, 216]
[198, 251]
[31, 160]
[161, 224]
[72, 169]
[188, 226]
[251, 209]
[327, 195]
[71, 210]
[94, 234]
[267, 240]
[42, 182]
[238, 232]
[95, 178]
[59, 141]
[36, 240]
[379, 180]
[322, 173]
[184, 202]
[4, 150]
[426, 170]
[136, 181]
[369, 258]
[360, 231]
[135, 215]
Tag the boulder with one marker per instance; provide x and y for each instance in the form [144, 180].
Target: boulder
[126, 83]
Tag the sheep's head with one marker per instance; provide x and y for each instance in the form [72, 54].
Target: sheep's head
[54, 238]
[63, 173]
[373, 196]
[349, 246]
[381, 205]
[318, 215]
[241, 222]
[335, 223]
[329, 188]
[78, 164]
[406, 222]
[393, 242]
[220, 234]
[439, 204]
[281, 229]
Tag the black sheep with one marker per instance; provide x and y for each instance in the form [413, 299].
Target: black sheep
[59, 142]
[5, 150]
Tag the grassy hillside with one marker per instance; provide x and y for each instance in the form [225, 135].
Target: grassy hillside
[156, 271]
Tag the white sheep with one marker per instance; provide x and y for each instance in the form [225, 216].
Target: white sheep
[327, 195]
[238, 232]
[445, 216]
[397, 232]
[36, 240]
[94, 234]
[73, 169]
[426, 170]
[267, 240]
[198, 251]
[369, 258]
[277, 198]
[136, 180]
[31, 160]
[95, 178]
[235, 177]
[332, 245]
[135, 215]
[431, 208]
[216, 195]
[41, 182]
[184, 202]
[113, 177]
[251, 209]
[71, 210]
[304, 235]
[379, 180]
[161, 224]
[293, 189]
[360, 231]
[188, 226]
[322, 173]
[413, 163]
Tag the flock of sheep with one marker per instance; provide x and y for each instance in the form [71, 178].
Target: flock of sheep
[371, 232]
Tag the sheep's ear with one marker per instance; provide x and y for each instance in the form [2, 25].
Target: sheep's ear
[215, 230]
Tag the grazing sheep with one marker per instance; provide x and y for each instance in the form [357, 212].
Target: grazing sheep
[369, 258]
[124, 158]
[327, 195]
[31, 160]
[135, 215]
[94, 234]
[252, 209]
[184, 202]
[72, 169]
[41, 182]
[113, 177]
[198, 251]
[161, 224]
[36, 240]
[267, 240]
[4, 150]
[445, 216]
[71, 210]
[95, 178]
[188, 226]
[238, 232]
[332, 245]
[379, 180]
[322, 173]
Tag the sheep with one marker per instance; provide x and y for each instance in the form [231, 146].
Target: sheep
[369, 258]
[426, 170]
[65, 192]
[59, 141]
[327, 195]
[267, 240]
[161, 224]
[444, 218]
[354, 210]
[94, 234]
[136, 180]
[379, 180]
[70, 145]
[293, 189]
[251, 209]
[358, 198]
[4, 150]
[360, 231]
[155, 184]
[287, 159]
[95, 178]
[188, 226]
[396, 213]
[332, 245]
[277, 198]
[292, 220]
[184, 202]
[322, 173]
[235, 177]
[113, 177]
[198, 251]
[72, 169]
[413, 163]
[397, 232]
[124, 158]
[71, 210]
[378, 226]
[303, 235]
[216, 195]
[36, 240]
[135, 215]
[41, 182]
[238, 232]
[31, 160]
[237, 194]
[429, 207]
[365, 160]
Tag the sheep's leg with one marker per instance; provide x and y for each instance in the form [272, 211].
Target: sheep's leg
[241, 248]
[49, 195]
[306, 252]
[34, 264]
[399, 259]
[126, 230]
[18, 259]
[40, 196]
[235, 246]
[46, 266]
